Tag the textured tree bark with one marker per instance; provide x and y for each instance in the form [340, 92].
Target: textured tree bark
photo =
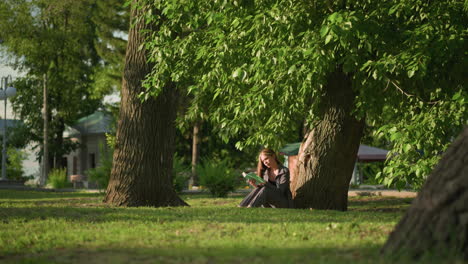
[437, 221]
[142, 163]
[328, 152]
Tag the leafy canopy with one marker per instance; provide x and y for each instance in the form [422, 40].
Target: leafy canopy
[263, 65]
[52, 38]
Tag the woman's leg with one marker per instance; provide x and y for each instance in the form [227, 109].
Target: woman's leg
[247, 201]
[260, 198]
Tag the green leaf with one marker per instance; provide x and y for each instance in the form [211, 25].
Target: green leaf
[410, 74]
[456, 96]
[328, 38]
[393, 9]
[418, 172]
[378, 175]
[395, 136]
[292, 69]
[236, 73]
[407, 148]
[333, 17]
[324, 31]
[235, 23]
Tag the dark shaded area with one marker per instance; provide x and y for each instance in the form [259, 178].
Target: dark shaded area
[27, 194]
[437, 221]
[210, 255]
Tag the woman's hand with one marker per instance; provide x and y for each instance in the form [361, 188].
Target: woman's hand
[252, 183]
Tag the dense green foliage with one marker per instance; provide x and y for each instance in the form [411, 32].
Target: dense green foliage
[263, 66]
[57, 178]
[111, 18]
[45, 227]
[217, 177]
[53, 39]
[420, 135]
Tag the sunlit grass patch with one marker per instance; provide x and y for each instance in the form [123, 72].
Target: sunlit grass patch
[65, 227]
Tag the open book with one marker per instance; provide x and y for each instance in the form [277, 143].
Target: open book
[254, 177]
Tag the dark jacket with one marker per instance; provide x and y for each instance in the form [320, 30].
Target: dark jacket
[280, 194]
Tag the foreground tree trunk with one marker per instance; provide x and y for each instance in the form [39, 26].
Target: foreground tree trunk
[326, 157]
[437, 221]
[142, 163]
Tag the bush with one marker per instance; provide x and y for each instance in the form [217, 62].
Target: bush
[15, 160]
[217, 177]
[58, 178]
[180, 174]
[101, 174]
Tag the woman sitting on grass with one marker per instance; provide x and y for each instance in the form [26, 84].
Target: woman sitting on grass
[275, 191]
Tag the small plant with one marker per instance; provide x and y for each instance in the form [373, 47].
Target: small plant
[217, 177]
[57, 178]
[14, 170]
[180, 174]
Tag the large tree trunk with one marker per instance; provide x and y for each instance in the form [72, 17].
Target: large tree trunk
[142, 168]
[437, 221]
[328, 152]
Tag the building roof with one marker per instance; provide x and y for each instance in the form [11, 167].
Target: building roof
[365, 153]
[290, 149]
[368, 153]
[97, 123]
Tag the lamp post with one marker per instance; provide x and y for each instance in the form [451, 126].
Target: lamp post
[5, 92]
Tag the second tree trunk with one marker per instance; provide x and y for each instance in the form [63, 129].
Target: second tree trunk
[328, 152]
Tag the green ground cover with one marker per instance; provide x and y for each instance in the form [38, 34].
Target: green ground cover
[49, 227]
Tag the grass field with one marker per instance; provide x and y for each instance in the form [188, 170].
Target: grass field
[48, 227]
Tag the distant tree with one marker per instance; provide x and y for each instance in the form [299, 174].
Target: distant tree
[269, 65]
[52, 38]
[111, 18]
[144, 147]
[436, 222]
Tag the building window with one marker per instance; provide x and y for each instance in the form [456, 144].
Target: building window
[92, 160]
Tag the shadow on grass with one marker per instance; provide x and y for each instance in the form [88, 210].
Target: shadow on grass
[380, 204]
[199, 255]
[188, 214]
[24, 195]
[203, 255]
[364, 201]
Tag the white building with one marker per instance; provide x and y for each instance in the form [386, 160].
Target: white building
[90, 133]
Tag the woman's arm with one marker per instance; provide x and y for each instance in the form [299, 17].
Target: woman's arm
[283, 182]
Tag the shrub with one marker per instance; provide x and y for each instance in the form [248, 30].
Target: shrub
[217, 177]
[101, 174]
[58, 178]
[180, 174]
[15, 160]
